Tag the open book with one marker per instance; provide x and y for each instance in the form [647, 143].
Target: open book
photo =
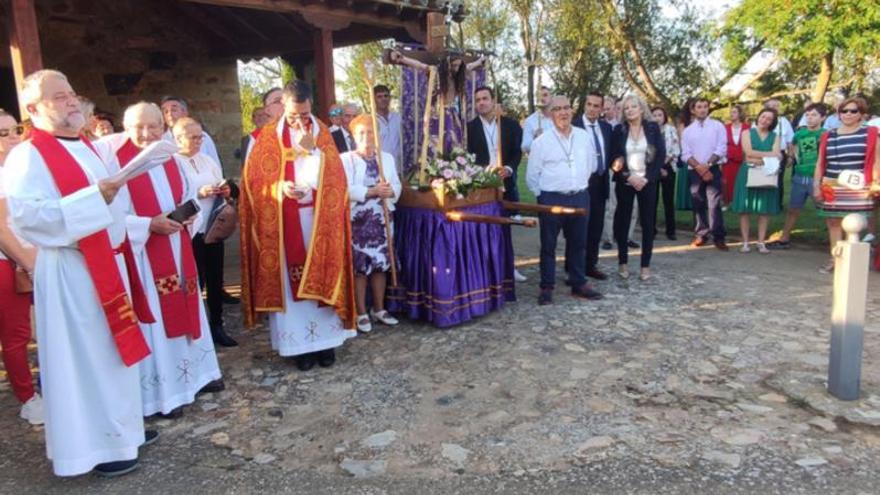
[150, 157]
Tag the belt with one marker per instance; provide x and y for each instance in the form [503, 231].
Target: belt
[568, 193]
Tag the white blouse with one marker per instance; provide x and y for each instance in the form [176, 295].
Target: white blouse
[201, 170]
[636, 152]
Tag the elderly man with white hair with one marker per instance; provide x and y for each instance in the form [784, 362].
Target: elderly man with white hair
[183, 361]
[88, 298]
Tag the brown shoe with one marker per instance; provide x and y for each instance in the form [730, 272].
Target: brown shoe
[697, 242]
[721, 246]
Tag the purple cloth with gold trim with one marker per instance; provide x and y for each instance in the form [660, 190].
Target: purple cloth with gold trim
[451, 272]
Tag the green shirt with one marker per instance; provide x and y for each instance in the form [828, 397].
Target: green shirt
[807, 143]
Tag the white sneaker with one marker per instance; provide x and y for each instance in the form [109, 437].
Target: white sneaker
[363, 324]
[384, 317]
[32, 410]
[745, 248]
[519, 277]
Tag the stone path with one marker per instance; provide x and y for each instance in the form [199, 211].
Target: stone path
[707, 378]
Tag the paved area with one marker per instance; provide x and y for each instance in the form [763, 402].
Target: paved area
[708, 377]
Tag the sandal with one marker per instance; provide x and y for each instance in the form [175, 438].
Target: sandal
[828, 267]
[762, 248]
[384, 317]
[363, 324]
[745, 248]
[623, 272]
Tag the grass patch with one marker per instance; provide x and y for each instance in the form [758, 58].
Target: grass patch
[810, 228]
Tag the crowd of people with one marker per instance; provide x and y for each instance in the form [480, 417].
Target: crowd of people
[124, 263]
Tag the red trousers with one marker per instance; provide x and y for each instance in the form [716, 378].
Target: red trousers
[15, 333]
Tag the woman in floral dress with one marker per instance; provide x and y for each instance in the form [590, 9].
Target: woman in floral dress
[369, 241]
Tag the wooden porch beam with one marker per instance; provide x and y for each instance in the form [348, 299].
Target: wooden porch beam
[325, 78]
[24, 44]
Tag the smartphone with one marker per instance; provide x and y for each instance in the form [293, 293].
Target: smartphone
[184, 211]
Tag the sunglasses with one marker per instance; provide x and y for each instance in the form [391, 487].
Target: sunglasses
[17, 130]
[850, 110]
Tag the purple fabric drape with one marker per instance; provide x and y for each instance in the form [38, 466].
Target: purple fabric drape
[413, 86]
[451, 272]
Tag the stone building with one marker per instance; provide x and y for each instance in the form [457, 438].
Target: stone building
[117, 52]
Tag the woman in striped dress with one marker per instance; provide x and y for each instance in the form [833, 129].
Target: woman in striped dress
[850, 148]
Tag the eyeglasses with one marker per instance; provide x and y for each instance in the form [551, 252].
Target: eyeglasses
[17, 130]
[560, 109]
[849, 110]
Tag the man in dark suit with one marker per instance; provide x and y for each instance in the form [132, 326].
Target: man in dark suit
[482, 140]
[599, 132]
[341, 136]
[482, 135]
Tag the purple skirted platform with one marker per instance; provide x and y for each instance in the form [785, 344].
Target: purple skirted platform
[451, 272]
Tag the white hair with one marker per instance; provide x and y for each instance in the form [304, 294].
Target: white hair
[32, 87]
[646, 110]
[141, 109]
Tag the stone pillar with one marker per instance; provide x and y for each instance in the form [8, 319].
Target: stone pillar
[24, 43]
[851, 267]
[325, 92]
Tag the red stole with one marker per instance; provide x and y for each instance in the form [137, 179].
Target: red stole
[256, 133]
[178, 301]
[295, 249]
[99, 256]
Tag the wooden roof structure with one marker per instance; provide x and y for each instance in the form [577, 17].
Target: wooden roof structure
[221, 29]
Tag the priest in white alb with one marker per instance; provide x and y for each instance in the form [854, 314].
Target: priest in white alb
[88, 297]
[183, 361]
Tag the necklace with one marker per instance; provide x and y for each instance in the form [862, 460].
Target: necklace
[568, 151]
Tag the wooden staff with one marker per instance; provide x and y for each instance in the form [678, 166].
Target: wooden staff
[553, 210]
[426, 126]
[441, 114]
[368, 76]
[460, 216]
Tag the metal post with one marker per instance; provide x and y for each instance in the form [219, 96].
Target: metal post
[848, 310]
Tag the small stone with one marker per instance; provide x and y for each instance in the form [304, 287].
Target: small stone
[737, 436]
[600, 406]
[220, 439]
[380, 440]
[592, 445]
[455, 453]
[728, 350]
[364, 469]
[264, 458]
[209, 406]
[269, 381]
[823, 424]
[811, 461]
[754, 408]
[574, 348]
[256, 372]
[773, 397]
[834, 449]
[208, 428]
[730, 460]
[579, 374]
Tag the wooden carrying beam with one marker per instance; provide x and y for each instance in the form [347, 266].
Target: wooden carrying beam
[460, 216]
[553, 210]
[24, 43]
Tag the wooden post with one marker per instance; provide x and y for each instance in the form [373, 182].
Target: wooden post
[325, 92]
[436, 32]
[24, 43]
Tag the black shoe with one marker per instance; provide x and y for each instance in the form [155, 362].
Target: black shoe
[633, 244]
[213, 387]
[567, 282]
[229, 298]
[776, 245]
[305, 362]
[150, 437]
[326, 358]
[175, 413]
[607, 246]
[671, 237]
[545, 297]
[596, 274]
[221, 338]
[116, 468]
[586, 292]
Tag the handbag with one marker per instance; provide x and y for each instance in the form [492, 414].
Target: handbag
[759, 178]
[222, 222]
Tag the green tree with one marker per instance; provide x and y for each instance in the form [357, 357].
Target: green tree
[355, 85]
[828, 39]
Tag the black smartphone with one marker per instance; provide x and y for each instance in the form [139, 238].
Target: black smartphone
[184, 211]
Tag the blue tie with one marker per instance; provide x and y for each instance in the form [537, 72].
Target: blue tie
[600, 169]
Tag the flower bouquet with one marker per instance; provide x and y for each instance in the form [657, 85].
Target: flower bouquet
[456, 174]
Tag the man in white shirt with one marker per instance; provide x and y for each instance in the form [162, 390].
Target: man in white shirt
[538, 122]
[175, 107]
[389, 124]
[560, 165]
